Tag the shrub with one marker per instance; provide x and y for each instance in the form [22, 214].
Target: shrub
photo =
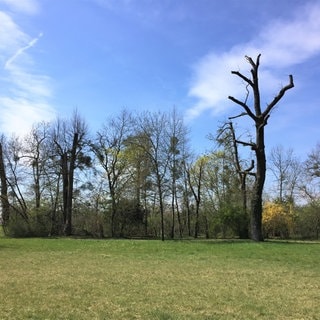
[88, 223]
[308, 221]
[37, 224]
[277, 220]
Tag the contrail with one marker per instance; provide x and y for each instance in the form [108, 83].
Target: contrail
[21, 50]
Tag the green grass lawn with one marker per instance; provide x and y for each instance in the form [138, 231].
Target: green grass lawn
[124, 279]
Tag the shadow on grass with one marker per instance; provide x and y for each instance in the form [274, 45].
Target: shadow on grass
[162, 315]
[248, 241]
[278, 241]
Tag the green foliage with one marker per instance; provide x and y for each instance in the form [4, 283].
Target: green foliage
[38, 224]
[129, 219]
[233, 218]
[230, 222]
[153, 228]
[88, 223]
[308, 221]
[17, 227]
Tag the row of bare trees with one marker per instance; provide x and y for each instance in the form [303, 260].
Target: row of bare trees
[137, 159]
[39, 169]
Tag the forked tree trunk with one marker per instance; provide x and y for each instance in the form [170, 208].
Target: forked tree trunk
[260, 119]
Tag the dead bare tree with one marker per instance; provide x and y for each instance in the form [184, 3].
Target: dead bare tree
[5, 206]
[260, 118]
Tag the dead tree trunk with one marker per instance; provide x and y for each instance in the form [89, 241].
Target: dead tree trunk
[4, 193]
[72, 164]
[65, 183]
[260, 119]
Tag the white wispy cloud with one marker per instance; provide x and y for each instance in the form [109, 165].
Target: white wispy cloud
[281, 43]
[11, 36]
[24, 6]
[24, 92]
[26, 113]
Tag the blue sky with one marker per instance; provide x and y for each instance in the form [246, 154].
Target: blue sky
[100, 56]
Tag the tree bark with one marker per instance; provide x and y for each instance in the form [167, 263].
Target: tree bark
[256, 201]
[260, 119]
[65, 183]
[4, 193]
[72, 164]
[197, 193]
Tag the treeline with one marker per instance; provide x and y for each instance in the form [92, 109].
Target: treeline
[137, 177]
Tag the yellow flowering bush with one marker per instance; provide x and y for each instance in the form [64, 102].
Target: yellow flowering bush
[277, 220]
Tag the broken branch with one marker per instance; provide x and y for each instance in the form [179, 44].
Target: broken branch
[279, 96]
[247, 144]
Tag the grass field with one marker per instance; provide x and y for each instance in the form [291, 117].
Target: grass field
[124, 279]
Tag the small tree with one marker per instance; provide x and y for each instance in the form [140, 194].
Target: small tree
[227, 138]
[312, 164]
[109, 149]
[286, 170]
[153, 127]
[260, 118]
[195, 180]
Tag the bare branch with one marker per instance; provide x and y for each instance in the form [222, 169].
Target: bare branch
[253, 174]
[222, 129]
[247, 144]
[238, 116]
[251, 167]
[245, 106]
[249, 59]
[240, 75]
[255, 65]
[248, 171]
[279, 96]
[248, 93]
